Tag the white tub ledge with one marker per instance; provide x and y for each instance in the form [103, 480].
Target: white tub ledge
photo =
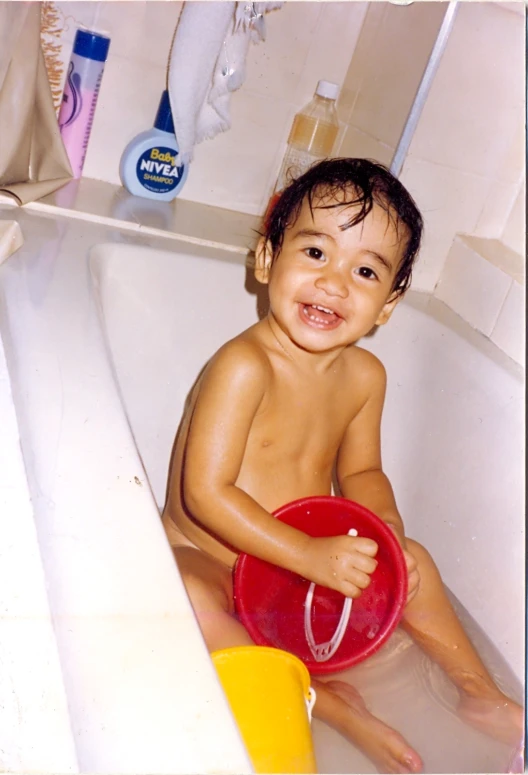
[142, 694]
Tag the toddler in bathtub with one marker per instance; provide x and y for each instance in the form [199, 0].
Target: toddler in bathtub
[293, 396]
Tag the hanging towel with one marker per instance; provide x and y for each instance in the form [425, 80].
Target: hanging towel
[207, 63]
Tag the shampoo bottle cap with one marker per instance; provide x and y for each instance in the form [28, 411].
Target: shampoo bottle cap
[327, 89]
[164, 115]
[91, 45]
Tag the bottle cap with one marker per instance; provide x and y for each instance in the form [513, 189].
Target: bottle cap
[327, 89]
[91, 45]
[163, 119]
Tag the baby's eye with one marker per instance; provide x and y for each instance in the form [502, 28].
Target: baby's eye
[314, 253]
[367, 272]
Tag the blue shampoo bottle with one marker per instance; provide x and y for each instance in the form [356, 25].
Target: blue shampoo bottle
[148, 164]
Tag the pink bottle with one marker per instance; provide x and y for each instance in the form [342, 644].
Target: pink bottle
[79, 98]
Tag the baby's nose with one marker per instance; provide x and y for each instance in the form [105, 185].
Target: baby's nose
[333, 283]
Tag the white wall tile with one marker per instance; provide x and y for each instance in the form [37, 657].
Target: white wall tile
[233, 170]
[450, 202]
[476, 104]
[385, 85]
[274, 67]
[514, 233]
[509, 332]
[500, 255]
[338, 28]
[128, 101]
[511, 166]
[142, 31]
[473, 287]
[497, 208]
[358, 143]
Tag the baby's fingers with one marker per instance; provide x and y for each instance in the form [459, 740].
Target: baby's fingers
[358, 579]
[350, 590]
[364, 563]
[365, 546]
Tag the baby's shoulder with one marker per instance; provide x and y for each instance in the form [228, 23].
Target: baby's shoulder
[242, 356]
[365, 367]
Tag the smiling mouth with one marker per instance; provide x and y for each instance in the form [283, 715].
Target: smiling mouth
[319, 317]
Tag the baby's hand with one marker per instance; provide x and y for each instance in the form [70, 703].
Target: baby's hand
[344, 563]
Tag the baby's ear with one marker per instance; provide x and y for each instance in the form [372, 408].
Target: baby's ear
[388, 308]
[263, 260]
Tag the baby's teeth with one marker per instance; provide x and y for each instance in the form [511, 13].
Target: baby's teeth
[314, 318]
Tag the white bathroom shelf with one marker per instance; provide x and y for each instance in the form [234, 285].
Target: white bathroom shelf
[107, 203]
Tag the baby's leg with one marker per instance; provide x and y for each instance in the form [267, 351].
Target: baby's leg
[340, 706]
[430, 619]
[209, 586]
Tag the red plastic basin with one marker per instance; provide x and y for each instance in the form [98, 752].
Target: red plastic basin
[270, 600]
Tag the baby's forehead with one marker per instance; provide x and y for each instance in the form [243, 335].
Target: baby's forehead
[345, 209]
[330, 213]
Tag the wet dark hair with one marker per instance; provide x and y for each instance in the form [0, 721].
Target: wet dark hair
[350, 182]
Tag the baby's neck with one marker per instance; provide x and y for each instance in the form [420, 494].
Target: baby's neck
[315, 362]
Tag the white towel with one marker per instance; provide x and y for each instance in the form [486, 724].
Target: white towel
[207, 63]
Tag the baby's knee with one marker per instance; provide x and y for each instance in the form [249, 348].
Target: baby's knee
[416, 549]
[423, 559]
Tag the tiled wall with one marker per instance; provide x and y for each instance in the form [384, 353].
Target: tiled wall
[135, 73]
[466, 162]
[305, 41]
[378, 91]
[466, 168]
[483, 280]
[465, 165]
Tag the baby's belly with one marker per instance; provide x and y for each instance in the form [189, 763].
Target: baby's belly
[274, 488]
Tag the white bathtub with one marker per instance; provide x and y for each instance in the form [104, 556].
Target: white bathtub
[452, 436]
[103, 340]
[453, 423]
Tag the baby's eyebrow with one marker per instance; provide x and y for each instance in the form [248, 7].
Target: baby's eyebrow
[313, 233]
[384, 261]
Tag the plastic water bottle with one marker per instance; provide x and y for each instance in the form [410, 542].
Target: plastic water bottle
[85, 71]
[312, 135]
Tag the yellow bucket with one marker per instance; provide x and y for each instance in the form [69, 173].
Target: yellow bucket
[271, 699]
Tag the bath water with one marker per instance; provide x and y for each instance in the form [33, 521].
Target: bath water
[407, 691]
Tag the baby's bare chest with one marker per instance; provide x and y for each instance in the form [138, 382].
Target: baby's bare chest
[306, 424]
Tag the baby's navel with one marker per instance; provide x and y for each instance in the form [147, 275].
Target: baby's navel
[266, 442]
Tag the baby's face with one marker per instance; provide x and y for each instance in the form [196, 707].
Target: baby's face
[329, 287]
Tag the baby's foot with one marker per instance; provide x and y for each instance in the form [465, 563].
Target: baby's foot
[387, 749]
[497, 716]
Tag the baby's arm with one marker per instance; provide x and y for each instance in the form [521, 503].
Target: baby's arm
[359, 471]
[231, 392]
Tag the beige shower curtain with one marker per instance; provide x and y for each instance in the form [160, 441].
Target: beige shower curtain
[33, 161]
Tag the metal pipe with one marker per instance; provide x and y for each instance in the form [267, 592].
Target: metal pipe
[423, 89]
